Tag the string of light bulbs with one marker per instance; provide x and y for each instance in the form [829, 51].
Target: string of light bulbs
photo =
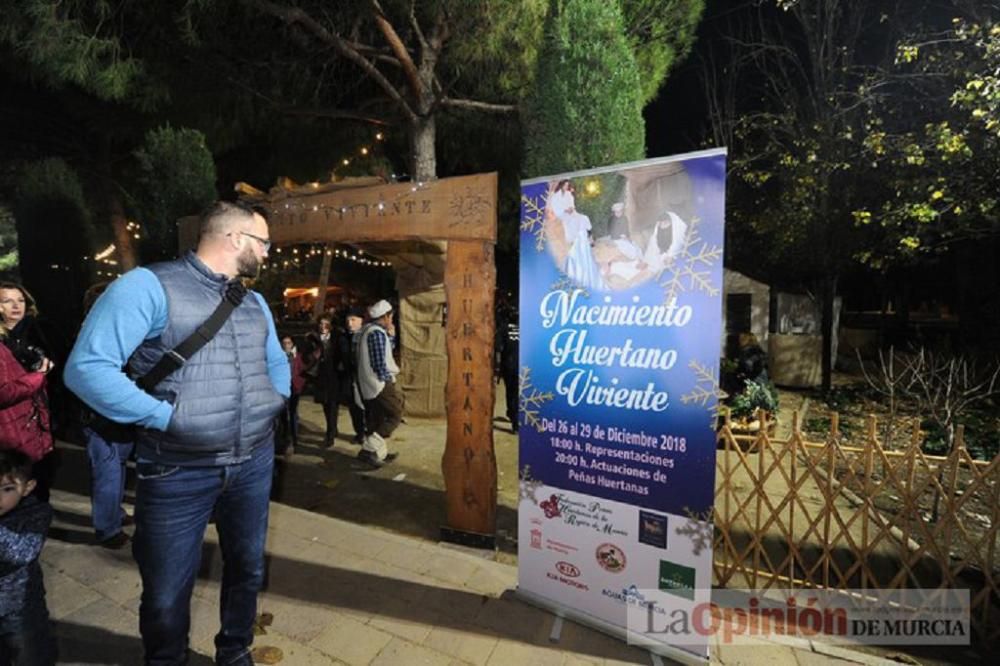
[355, 255]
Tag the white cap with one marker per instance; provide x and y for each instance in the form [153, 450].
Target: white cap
[619, 206]
[379, 309]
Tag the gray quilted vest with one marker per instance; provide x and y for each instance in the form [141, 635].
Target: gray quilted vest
[223, 398]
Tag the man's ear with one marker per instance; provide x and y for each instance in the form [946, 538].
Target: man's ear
[29, 486]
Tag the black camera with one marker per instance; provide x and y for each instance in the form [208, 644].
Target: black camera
[30, 357]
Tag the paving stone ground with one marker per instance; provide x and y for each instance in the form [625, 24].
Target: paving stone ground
[341, 593]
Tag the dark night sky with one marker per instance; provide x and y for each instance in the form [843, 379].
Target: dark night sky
[676, 120]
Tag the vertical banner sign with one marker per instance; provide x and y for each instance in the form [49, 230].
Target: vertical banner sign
[621, 331]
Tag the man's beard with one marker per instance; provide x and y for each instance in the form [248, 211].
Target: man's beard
[247, 264]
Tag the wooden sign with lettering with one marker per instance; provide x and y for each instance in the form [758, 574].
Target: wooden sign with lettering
[469, 462]
[461, 208]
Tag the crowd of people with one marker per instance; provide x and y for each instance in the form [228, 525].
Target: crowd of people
[180, 368]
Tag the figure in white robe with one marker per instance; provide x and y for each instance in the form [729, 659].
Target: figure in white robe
[580, 264]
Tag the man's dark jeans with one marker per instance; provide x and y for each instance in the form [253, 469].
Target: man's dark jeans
[173, 507]
[25, 639]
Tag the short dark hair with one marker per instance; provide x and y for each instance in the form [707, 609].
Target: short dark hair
[15, 465]
[218, 215]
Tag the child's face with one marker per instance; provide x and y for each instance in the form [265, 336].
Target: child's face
[287, 344]
[12, 491]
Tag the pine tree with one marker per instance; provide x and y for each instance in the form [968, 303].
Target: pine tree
[585, 109]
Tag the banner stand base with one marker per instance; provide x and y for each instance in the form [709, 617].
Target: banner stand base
[470, 539]
[612, 630]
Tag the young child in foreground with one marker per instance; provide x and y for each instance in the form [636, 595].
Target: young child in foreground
[24, 521]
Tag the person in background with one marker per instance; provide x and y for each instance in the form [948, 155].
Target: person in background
[24, 413]
[751, 360]
[298, 368]
[24, 521]
[21, 332]
[326, 356]
[205, 441]
[507, 339]
[353, 320]
[377, 371]
[109, 446]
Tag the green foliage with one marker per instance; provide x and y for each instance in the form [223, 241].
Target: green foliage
[8, 245]
[660, 33]
[73, 42]
[494, 46]
[585, 110]
[176, 178]
[935, 150]
[754, 396]
[50, 205]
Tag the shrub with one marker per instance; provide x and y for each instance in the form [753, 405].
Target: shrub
[744, 405]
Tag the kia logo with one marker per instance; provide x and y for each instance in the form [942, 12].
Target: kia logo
[567, 569]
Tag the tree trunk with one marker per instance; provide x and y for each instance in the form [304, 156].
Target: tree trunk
[829, 295]
[422, 136]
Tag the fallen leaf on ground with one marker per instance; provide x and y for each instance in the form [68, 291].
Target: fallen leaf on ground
[266, 654]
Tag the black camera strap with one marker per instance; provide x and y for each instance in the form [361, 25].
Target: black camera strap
[176, 357]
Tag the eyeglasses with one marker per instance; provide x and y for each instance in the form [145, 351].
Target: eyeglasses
[264, 242]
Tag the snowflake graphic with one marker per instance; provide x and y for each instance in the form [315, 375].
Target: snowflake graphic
[534, 218]
[564, 283]
[530, 399]
[699, 528]
[706, 387]
[529, 486]
[691, 269]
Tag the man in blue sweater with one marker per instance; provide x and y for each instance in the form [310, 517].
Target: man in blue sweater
[205, 441]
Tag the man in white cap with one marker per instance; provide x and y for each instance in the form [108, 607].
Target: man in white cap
[617, 223]
[377, 371]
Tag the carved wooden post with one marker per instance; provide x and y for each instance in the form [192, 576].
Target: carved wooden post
[469, 462]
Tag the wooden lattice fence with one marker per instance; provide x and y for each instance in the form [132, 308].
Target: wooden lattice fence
[837, 515]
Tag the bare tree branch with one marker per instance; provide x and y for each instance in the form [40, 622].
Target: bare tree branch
[296, 16]
[336, 114]
[474, 105]
[398, 48]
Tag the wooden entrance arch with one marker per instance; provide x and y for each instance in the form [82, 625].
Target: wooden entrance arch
[460, 212]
